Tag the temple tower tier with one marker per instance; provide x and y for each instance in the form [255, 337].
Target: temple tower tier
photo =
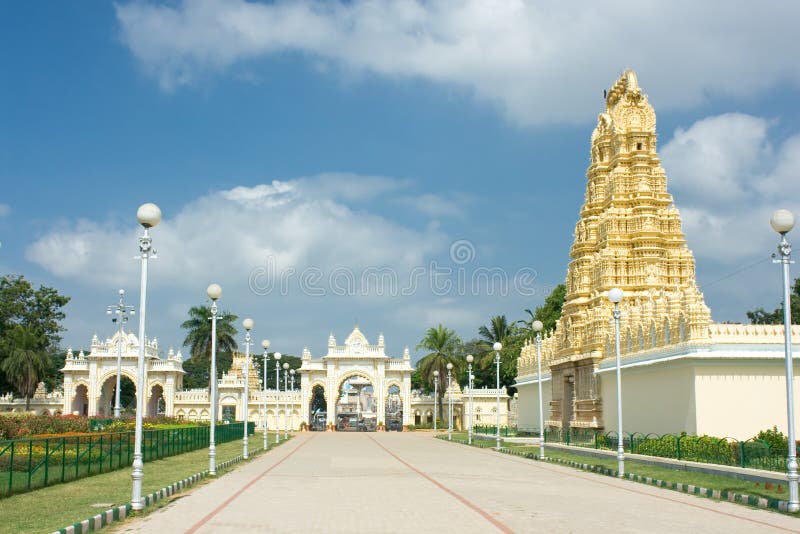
[628, 236]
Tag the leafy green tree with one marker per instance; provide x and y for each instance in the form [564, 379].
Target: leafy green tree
[761, 316]
[40, 310]
[26, 362]
[198, 340]
[550, 312]
[445, 347]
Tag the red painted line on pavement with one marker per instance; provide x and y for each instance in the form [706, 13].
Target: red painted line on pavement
[218, 509]
[555, 469]
[486, 515]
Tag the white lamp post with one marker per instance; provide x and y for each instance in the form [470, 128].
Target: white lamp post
[277, 357]
[497, 348]
[449, 402]
[435, 397]
[265, 346]
[285, 401]
[470, 384]
[537, 327]
[248, 325]
[121, 311]
[615, 296]
[291, 380]
[214, 292]
[148, 215]
[782, 221]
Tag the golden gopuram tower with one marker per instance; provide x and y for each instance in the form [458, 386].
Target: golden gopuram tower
[628, 236]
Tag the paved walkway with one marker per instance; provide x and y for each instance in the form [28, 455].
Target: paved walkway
[411, 482]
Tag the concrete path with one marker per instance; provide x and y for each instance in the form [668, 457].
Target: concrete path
[411, 482]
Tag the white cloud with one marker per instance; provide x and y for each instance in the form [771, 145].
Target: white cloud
[437, 206]
[727, 178]
[309, 222]
[537, 62]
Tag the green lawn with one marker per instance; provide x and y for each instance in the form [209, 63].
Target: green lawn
[54, 507]
[714, 482]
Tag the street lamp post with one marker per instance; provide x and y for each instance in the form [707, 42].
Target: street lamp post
[537, 327]
[121, 311]
[449, 402]
[470, 384]
[615, 296]
[291, 379]
[285, 401]
[148, 215]
[435, 397]
[782, 221]
[248, 325]
[214, 292]
[277, 357]
[265, 346]
[497, 348]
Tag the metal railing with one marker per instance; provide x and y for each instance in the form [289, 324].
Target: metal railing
[753, 453]
[491, 430]
[28, 464]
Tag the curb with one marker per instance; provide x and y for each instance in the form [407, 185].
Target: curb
[119, 513]
[724, 495]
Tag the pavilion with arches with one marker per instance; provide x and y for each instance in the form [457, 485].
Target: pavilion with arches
[90, 379]
[359, 383]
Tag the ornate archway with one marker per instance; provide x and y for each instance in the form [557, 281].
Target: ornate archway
[356, 407]
[317, 407]
[80, 401]
[107, 393]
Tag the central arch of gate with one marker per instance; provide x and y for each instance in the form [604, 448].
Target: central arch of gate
[360, 378]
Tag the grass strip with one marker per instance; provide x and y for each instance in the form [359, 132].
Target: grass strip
[54, 507]
[721, 483]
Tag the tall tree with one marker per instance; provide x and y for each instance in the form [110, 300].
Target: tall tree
[26, 362]
[761, 316]
[498, 330]
[445, 347]
[550, 312]
[198, 340]
[40, 310]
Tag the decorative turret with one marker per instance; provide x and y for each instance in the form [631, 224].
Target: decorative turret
[95, 340]
[306, 354]
[70, 355]
[331, 341]
[381, 342]
[406, 354]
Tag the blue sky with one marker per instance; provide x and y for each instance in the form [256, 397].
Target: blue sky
[333, 140]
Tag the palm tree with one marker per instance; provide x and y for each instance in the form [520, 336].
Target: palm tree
[198, 335]
[445, 347]
[528, 323]
[26, 361]
[498, 331]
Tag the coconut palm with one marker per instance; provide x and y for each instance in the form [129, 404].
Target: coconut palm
[198, 335]
[25, 360]
[445, 347]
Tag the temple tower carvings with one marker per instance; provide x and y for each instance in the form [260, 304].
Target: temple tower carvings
[628, 236]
